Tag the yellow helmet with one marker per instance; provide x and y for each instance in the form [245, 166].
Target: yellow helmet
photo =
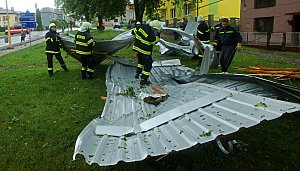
[51, 25]
[155, 24]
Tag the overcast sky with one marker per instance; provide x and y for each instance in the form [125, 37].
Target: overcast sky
[23, 5]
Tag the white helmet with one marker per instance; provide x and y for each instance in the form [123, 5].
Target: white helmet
[138, 23]
[85, 26]
[200, 18]
[51, 25]
[155, 24]
[221, 18]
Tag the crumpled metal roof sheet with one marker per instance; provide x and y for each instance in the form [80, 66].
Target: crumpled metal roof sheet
[193, 124]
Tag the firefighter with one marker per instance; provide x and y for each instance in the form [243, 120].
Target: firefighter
[231, 40]
[145, 37]
[84, 47]
[216, 29]
[53, 45]
[202, 34]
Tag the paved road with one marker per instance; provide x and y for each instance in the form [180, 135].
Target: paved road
[16, 38]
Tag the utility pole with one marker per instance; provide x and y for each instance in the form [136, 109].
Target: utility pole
[8, 27]
[197, 8]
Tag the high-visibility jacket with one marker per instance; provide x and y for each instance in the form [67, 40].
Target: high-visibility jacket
[203, 32]
[229, 36]
[84, 43]
[144, 39]
[53, 43]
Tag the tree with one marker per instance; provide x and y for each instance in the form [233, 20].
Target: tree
[39, 20]
[94, 8]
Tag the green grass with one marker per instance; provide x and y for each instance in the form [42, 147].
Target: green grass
[41, 118]
[2, 33]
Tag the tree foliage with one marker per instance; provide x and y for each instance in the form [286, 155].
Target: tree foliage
[94, 8]
[39, 20]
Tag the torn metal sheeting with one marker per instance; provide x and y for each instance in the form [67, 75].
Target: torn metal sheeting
[102, 48]
[149, 130]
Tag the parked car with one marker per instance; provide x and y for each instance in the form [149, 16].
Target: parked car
[117, 25]
[18, 31]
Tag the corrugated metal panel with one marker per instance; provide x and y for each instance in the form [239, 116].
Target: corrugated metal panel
[198, 125]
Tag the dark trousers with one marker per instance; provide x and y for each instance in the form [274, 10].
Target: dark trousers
[144, 65]
[50, 61]
[226, 56]
[87, 65]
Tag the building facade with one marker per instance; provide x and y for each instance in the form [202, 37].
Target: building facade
[49, 14]
[14, 17]
[170, 11]
[270, 16]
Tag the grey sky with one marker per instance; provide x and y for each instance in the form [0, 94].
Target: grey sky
[23, 5]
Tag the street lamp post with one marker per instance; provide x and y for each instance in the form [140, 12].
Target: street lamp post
[8, 27]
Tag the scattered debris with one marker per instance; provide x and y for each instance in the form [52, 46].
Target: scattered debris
[261, 104]
[129, 92]
[155, 100]
[277, 73]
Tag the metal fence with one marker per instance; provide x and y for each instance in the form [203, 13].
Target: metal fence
[289, 39]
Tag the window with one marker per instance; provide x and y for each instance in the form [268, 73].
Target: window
[264, 3]
[173, 13]
[187, 10]
[16, 19]
[264, 24]
[4, 18]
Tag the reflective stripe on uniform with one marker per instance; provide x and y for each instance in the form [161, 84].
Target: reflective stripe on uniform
[146, 73]
[140, 66]
[81, 43]
[47, 38]
[141, 51]
[90, 41]
[49, 51]
[200, 32]
[50, 69]
[142, 40]
[90, 70]
[83, 53]
[225, 32]
[80, 37]
[201, 56]
[83, 69]
[143, 32]
[206, 41]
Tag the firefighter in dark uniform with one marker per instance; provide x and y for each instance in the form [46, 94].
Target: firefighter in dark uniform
[145, 37]
[216, 29]
[84, 47]
[231, 40]
[202, 34]
[53, 46]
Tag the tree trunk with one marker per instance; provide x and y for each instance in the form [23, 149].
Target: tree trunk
[100, 28]
[139, 8]
[86, 13]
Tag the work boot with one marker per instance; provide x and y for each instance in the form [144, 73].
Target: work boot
[83, 73]
[91, 77]
[50, 73]
[145, 82]
[137, 76]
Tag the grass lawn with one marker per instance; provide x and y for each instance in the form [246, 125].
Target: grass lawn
[2, 33]
[41, 118]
